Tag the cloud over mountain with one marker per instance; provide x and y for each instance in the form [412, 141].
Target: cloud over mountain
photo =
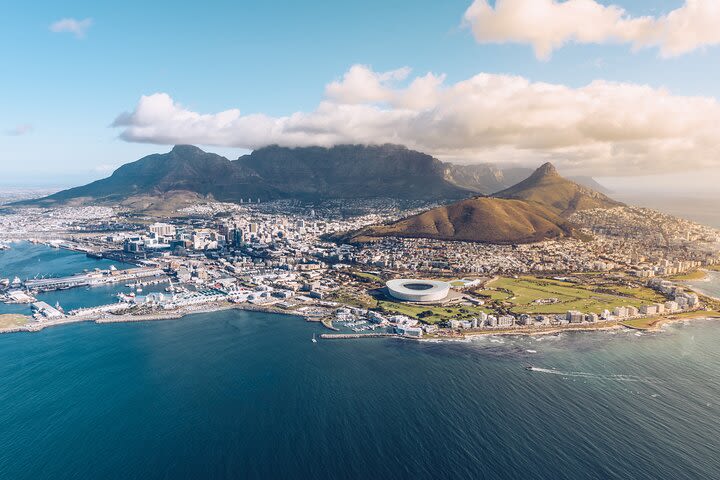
[601, 128]
[549, 24]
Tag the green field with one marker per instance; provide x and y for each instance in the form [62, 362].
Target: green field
[522, 292]
[353, 300]
[431, 313]
[694, 275]
[367, 277]
[650, 322]
[12, 320]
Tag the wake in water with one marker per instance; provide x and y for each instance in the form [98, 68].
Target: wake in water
[618, 378]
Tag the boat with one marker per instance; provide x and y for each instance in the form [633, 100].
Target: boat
[314, 340]
[529, 367]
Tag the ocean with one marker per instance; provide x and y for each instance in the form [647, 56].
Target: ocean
[701, 208]
[27, 260]
[238, 394]
[709, 286]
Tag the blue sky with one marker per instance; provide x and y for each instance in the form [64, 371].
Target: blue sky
[270, 57]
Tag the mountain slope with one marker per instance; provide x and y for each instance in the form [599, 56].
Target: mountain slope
[478, 219]
[347, 171]
[184, 168]
[546, 187]
[352, 171]
[486, 178]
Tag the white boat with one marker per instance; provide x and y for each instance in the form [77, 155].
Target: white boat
[314, 340]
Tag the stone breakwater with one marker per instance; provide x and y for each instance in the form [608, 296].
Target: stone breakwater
[342, 336]
[149, 317]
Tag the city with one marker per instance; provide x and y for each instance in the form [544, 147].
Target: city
[279, 256]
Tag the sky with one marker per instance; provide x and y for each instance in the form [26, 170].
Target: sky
[623, 90]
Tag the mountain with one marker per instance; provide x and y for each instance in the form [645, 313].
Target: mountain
[184, 169]
[165, 182]
[477, 219]
[352, 171]
[487, 178]
[591, 183]
[534, 209]
[564, 197]
[484, 178]
[346, 171]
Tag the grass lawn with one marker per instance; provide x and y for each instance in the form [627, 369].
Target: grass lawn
[642, 293]
[525, 290]
[352, 299]
[12, 320]
[369, 277]
[694, 275]
[494, 294]
[437, 313]
[645, 323]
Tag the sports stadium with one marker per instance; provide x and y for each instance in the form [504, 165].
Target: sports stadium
[414, 290]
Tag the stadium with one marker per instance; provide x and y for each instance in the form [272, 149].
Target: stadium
[414, 290]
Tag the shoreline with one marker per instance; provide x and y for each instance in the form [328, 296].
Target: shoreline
[653, 325]
[150, 317]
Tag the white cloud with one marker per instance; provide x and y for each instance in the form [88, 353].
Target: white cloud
[71, 25]
[549, 24]
[601, 128]
[20, 130]
[360, 84]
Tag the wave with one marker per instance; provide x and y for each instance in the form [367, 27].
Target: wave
[597, 376]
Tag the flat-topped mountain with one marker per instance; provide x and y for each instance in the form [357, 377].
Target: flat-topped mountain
[345, 171]
[477, 219]
[352, 171]
[186, 174]
[546, 187]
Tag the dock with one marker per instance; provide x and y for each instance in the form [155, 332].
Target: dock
[341, 336]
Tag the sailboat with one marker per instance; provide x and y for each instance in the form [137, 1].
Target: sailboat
[314, 340]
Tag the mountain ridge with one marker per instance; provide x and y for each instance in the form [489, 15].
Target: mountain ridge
[533, 210]
[270, 173]
[547, 187]
[188, 174]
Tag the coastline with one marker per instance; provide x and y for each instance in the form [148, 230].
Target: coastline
[650, 325]
[151, 317]
[654, 324]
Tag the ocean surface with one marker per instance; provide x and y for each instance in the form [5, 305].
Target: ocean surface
[238, 394]
[709, 286]
[27, 260]
[702, 209]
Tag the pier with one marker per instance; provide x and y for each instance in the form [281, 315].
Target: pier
[342, 336]
[92, 278]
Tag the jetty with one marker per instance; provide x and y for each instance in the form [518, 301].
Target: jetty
[341, 336]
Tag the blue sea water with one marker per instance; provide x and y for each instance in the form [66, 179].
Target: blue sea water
[26, 260]
[709, 286]
[238, 394]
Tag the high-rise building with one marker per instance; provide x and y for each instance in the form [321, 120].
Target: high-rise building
[162, 229]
